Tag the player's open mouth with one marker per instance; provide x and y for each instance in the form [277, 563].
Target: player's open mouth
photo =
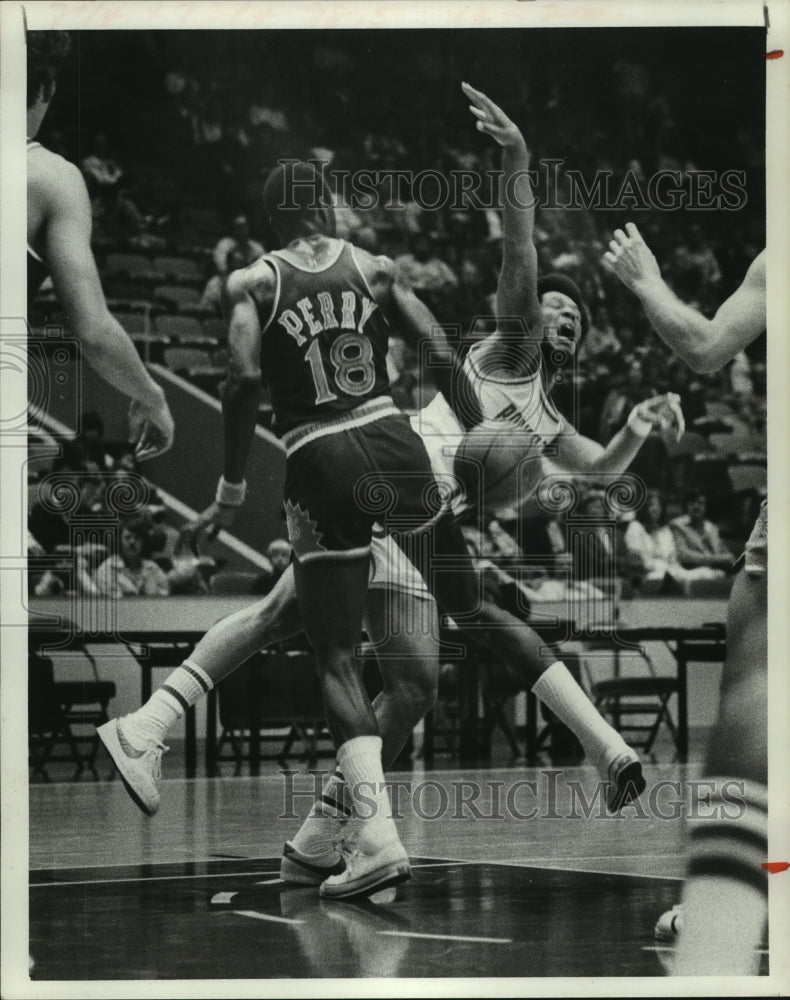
[568, 331]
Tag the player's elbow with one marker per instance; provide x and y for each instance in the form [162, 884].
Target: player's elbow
[703, 360]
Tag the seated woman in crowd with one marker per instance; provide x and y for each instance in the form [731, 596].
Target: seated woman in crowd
[129, 572]
[651, 550]
[697, 539]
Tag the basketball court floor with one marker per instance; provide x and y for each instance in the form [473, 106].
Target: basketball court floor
[512, 876]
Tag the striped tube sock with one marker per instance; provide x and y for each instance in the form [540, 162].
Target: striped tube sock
[151, 723]
[325, 820]
[725, 902]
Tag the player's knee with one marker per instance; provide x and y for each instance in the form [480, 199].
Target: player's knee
[417, 694]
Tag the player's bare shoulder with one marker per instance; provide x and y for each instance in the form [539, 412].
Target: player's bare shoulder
[53, 175]
[258, 280]
[379, 271]
[54, 186]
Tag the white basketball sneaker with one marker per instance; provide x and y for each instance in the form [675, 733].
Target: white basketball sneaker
[369, 867]
[309, 869]
[140, 770]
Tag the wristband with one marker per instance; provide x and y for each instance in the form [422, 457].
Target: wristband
[230, 494]
[637, 423]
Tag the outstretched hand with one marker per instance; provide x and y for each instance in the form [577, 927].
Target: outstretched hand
[631, 259]
[665, 414]
[491, 119]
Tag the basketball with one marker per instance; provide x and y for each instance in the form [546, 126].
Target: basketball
[498, 464]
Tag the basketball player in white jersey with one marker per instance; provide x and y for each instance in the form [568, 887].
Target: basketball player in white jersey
[58, 244]
[517, 394]
[725, 903]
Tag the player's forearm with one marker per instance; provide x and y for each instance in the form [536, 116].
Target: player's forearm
[618, 454]
[689, 334]
[240, 413]
[109, 351]
[517, 288]
[518, 201]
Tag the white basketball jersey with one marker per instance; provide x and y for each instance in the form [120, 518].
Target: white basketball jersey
[517, 399]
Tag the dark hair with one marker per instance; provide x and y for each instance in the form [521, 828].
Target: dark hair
[46, 53]
[140, 526]
[298, 200]
[641, 514]
[691, 495]
[557, 282]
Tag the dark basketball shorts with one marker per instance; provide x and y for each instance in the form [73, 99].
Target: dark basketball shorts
[344, 475]
[754, 558]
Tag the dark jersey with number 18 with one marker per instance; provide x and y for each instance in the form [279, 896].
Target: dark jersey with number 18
[324, 343]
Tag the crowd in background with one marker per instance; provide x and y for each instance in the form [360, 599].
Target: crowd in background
[222, 123]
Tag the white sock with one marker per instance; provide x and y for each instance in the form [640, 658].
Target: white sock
[725, 902]
[558, 690]
[316, 835]
[186, 685]
[359, 760]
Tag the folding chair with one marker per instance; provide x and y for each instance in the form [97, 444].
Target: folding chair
[629, 697]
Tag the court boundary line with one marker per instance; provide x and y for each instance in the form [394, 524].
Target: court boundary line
[431, 863]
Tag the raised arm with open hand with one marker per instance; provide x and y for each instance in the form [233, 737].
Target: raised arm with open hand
[706, 345]
[517, 289]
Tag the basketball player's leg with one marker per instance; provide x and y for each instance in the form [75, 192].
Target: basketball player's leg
[136, 741]
[408, 661]
[332, 486]
[725, 902]
[521, 649]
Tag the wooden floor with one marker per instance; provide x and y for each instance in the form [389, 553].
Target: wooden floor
[194, 893]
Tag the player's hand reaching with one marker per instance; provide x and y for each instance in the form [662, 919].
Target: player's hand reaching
[631, 259]
[151, 427]
[662, 413]
[215, 518]
[491, 119]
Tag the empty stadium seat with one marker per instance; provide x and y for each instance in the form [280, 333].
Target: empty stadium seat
[177, 295]
[179, 327]
[181, 359]
[132, 322]
[124, 288]
[178, 267]
[131, 265]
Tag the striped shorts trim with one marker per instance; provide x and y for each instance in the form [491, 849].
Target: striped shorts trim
[365, 413]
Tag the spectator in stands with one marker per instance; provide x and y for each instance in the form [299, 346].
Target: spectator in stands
[423, 269]
[212, 293]
[594, 549]
[278, 553]
[248, 249]
[697, 539]
[71, 490]
[130, 573]
[651, 551]
[650, 544]
[101, 171]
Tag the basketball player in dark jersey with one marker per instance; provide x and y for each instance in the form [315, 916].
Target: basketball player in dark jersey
[58, 245]
[313, 321]
[722, 919]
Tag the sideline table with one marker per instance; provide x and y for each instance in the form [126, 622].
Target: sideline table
[174, 625]
[166, 629]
